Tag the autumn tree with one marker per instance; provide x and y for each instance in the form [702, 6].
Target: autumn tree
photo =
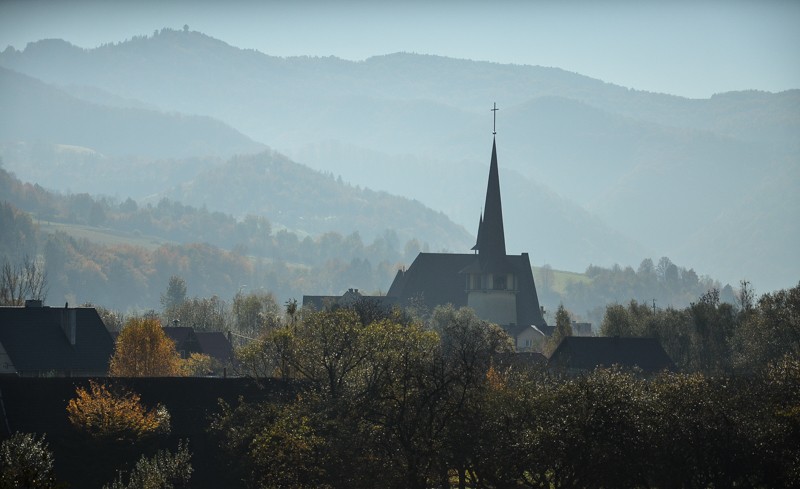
[144, 350]
[105, 414]
[200, 364]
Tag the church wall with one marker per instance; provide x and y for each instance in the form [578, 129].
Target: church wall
[496, 306]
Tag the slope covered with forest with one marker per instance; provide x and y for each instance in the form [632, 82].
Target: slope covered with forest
[661, 171]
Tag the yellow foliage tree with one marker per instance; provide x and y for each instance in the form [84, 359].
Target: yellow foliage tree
[120, 416]
[199, 364]
[143, 350]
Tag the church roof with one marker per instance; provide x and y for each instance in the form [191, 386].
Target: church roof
[438, 279]
[434, 278]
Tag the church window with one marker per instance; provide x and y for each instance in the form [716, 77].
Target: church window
[500, 282]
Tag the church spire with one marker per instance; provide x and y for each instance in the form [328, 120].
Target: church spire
[491, 240]
[491, 236]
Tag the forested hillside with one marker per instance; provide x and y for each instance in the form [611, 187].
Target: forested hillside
[120, 254]
[668, 176]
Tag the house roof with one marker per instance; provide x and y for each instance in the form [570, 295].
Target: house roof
[36, 342]
[180, 334]
[215, 345]
[520, 359]
[590, 352]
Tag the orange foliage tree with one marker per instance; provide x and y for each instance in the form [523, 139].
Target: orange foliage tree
[144, 350]
[116, 416]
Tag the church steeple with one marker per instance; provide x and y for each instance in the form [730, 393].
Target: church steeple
[491, 242]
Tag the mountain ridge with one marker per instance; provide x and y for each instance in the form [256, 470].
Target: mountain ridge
[428, 108]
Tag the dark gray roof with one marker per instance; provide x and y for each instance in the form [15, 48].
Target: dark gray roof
[590, 352]
[215, 345]
[37, 344]
[434, 278]
[438, 279]
[521, 359]
[180, 334]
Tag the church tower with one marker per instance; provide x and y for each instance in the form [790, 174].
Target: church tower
[497, 286]
[491, 283]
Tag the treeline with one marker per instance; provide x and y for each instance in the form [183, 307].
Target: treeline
[173, 221]
[124, 277]
[411, 404]
[715, 337]
[665, 283]
[223, 253]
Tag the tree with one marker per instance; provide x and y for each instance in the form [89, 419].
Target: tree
[746, 296]
[26, 461]
[326, 349]
[201, 313]
[200, 364]
[713, 325]
[563, 327]
[769, 331]
[175, 294]
[25, 280]
[115, 416]
[616, 322]
[253, 313]
[143, 350]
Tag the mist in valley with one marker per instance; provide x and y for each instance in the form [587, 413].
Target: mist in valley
[238, 150]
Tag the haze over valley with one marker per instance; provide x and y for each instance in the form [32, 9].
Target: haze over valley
[592, 173]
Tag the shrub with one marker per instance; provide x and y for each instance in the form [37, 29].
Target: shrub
[121, 416]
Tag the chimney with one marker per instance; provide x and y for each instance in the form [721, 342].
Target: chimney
[69, 324]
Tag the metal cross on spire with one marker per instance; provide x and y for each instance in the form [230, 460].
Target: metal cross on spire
[494, 116]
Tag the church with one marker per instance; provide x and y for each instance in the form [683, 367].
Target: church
[499, 287]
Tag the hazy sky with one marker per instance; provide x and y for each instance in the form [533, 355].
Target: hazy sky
[689, 48]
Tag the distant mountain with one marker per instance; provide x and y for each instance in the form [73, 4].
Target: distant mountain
[661, 170]
[34, 112]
